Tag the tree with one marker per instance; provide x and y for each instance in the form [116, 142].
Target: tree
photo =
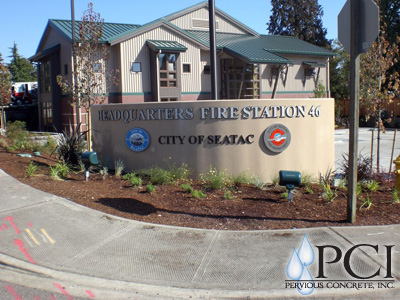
[20, 68]
[340, 73]
[380, 80]
[5, 90]
[299, 18]
[92, 74]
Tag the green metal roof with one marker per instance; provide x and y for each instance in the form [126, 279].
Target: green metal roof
[166, 45]
[292, 45]
[110, 30]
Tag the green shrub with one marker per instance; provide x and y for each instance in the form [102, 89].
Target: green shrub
[395, 194]
[187, 188]
[31, 169]
[198, 194]
[150, 188]
[372, 186]
[62, 169]
[18, 135]
[367, 203]
[228, 195]
[104, 173]
[135, 181]
[71, 146]
[215, 180]
[119, 167]
[328, 193]
[54, 173]
[178, 173]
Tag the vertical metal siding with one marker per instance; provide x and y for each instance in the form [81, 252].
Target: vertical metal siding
[224, 25]
[136, 49]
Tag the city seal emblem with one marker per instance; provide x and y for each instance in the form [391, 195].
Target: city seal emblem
[137, 139]
[277, 138]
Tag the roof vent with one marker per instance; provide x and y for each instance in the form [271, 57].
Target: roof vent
[203, 23]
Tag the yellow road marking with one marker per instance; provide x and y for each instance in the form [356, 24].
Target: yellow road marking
[48, 237]
[32, 237]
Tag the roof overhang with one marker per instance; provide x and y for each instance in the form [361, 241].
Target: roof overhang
[166, 46]
[44, 53]
[314, 64]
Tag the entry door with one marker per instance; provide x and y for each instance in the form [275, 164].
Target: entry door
[169, 76]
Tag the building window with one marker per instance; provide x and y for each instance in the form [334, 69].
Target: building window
[240, 80]
[168, 74]
[44, 75]
[47, 116]
[207, 69]
[136, 67]
[97, 67]
[169, 99]
[187, 68]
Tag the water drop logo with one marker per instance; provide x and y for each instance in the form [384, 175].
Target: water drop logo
[297, 267]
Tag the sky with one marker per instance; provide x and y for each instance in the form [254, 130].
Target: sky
[23, 21]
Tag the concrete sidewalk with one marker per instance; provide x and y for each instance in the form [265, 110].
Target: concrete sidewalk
[60, 247]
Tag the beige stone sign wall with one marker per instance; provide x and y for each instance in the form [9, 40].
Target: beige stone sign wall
[258, 136]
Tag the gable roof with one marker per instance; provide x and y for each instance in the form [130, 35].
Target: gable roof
[250, 47]
[109, 29]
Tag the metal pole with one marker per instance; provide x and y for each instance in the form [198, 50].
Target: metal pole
[391, 157]
[77, 106]
[372, 148]
[213, 50]
[355, 17]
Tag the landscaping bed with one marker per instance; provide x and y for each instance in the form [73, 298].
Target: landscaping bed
[233, 206]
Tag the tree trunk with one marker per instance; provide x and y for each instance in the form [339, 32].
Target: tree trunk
[89, 129]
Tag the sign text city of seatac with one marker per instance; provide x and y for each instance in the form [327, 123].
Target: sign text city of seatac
[212, 113]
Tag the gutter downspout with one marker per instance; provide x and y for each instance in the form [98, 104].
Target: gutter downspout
[158, 75]
[276, 82]
[328, 79]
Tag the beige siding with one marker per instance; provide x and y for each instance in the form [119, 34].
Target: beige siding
[224, 25]
[295, 82]
[136, 50]
[54, 38]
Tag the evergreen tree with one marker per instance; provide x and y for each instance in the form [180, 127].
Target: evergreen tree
[21, 69]
[5, 90]
[299, 18]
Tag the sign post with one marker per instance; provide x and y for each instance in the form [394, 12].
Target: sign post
[362, 18]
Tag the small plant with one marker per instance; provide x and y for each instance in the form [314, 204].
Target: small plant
[328, 193]
[228, 195]
[178, 173]
[150, 188]
[367, 203]
[306, 179]
[373, 186]
[119, 167]
[275, 180]
[309, 190]
[187, 188]
[54, 173]
[198, 194]
[135, 180]
[359, 188]
[71, 146]
[62, 169]
[327, 178]
[104, 173]
[156, 175]
[395, 194]
[31, 169]
[364, 167]
[285, 195]
[18, 135]
[215, 180]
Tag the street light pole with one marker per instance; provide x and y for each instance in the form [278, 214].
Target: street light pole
[213, 50]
